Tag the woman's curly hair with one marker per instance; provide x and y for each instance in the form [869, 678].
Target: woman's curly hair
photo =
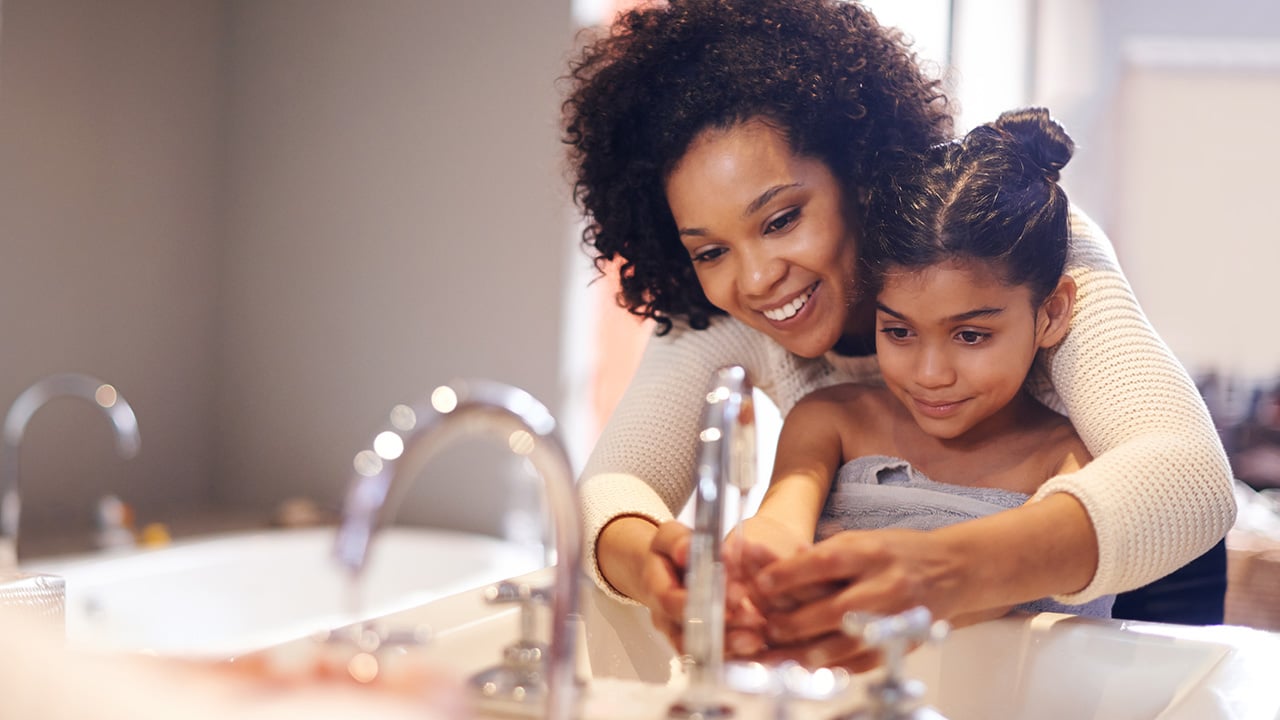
[843, 88]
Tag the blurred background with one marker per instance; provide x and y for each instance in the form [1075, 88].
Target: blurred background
[267, 222]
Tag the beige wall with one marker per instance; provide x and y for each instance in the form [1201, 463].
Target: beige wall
[266, 222]
[1172, 105]
[1198, 159]
[110, 223]
[396, 218]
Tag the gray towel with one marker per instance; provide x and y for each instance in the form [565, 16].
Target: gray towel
[878, 491]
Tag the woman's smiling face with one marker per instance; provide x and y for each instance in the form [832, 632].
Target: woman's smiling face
[766, 232]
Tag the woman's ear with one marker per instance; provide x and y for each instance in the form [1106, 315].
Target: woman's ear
[1054, 317]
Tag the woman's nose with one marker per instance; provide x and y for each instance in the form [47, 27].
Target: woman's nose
[760, 271]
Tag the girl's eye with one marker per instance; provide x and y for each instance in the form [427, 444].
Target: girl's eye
[783, 221]
[896, 333]
[972, 337]
[708, 255]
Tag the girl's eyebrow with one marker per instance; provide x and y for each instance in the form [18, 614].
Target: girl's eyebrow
[984, 312]
[889, 311]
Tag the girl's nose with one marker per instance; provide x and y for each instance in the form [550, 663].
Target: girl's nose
[934, 369]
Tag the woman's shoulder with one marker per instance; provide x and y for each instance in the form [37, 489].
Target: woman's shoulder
[1089, 247]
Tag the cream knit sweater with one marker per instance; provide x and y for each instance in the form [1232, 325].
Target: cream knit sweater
[1158, 490]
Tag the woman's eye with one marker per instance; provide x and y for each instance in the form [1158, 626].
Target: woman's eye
[708, 255]
[971, 337]
[896, 333]
[783, 221]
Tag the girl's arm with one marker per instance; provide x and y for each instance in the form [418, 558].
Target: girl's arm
[808, 456]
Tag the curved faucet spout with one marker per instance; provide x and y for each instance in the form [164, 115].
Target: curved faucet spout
[111, 402]
[399, 454]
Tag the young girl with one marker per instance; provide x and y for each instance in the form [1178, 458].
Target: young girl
[966, 259]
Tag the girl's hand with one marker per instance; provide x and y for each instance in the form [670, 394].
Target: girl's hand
[769, 539]
[805, 596]
[756, 542]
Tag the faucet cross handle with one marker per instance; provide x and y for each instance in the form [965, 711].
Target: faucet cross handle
[895, 697]
[914, 625]
[516, 592]
[522, 676]
[527, 653]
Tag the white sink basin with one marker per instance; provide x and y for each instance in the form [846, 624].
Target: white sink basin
[225, 595]
[1060, 667]
[1045, 667]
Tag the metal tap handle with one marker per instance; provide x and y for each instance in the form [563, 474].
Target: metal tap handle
[914, 625]
[895, 697]
[507, 593]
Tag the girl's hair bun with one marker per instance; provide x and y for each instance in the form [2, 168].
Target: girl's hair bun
[1043, 140]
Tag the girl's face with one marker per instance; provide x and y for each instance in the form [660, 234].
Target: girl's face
[766, 233]
[955, 343]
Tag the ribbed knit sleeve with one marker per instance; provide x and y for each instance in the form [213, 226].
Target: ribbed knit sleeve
[1158, 490]
[643, 465]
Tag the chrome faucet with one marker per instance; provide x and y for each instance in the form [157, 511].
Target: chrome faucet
[895, 696]
[726, 459]
[32, 399]
[417, 433]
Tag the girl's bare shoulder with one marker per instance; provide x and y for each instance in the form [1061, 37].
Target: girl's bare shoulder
[1060, 446]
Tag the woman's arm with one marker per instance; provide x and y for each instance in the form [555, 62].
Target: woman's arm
[642, 467]
[1158, 492]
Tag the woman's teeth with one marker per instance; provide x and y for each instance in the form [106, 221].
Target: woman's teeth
[790, 309]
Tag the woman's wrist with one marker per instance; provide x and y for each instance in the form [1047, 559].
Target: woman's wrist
[1037, 550]
[621, 549]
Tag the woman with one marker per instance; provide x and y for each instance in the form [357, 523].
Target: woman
[724, 149]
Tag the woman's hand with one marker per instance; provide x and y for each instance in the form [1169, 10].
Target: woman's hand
[647, 563]
[662, 580]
